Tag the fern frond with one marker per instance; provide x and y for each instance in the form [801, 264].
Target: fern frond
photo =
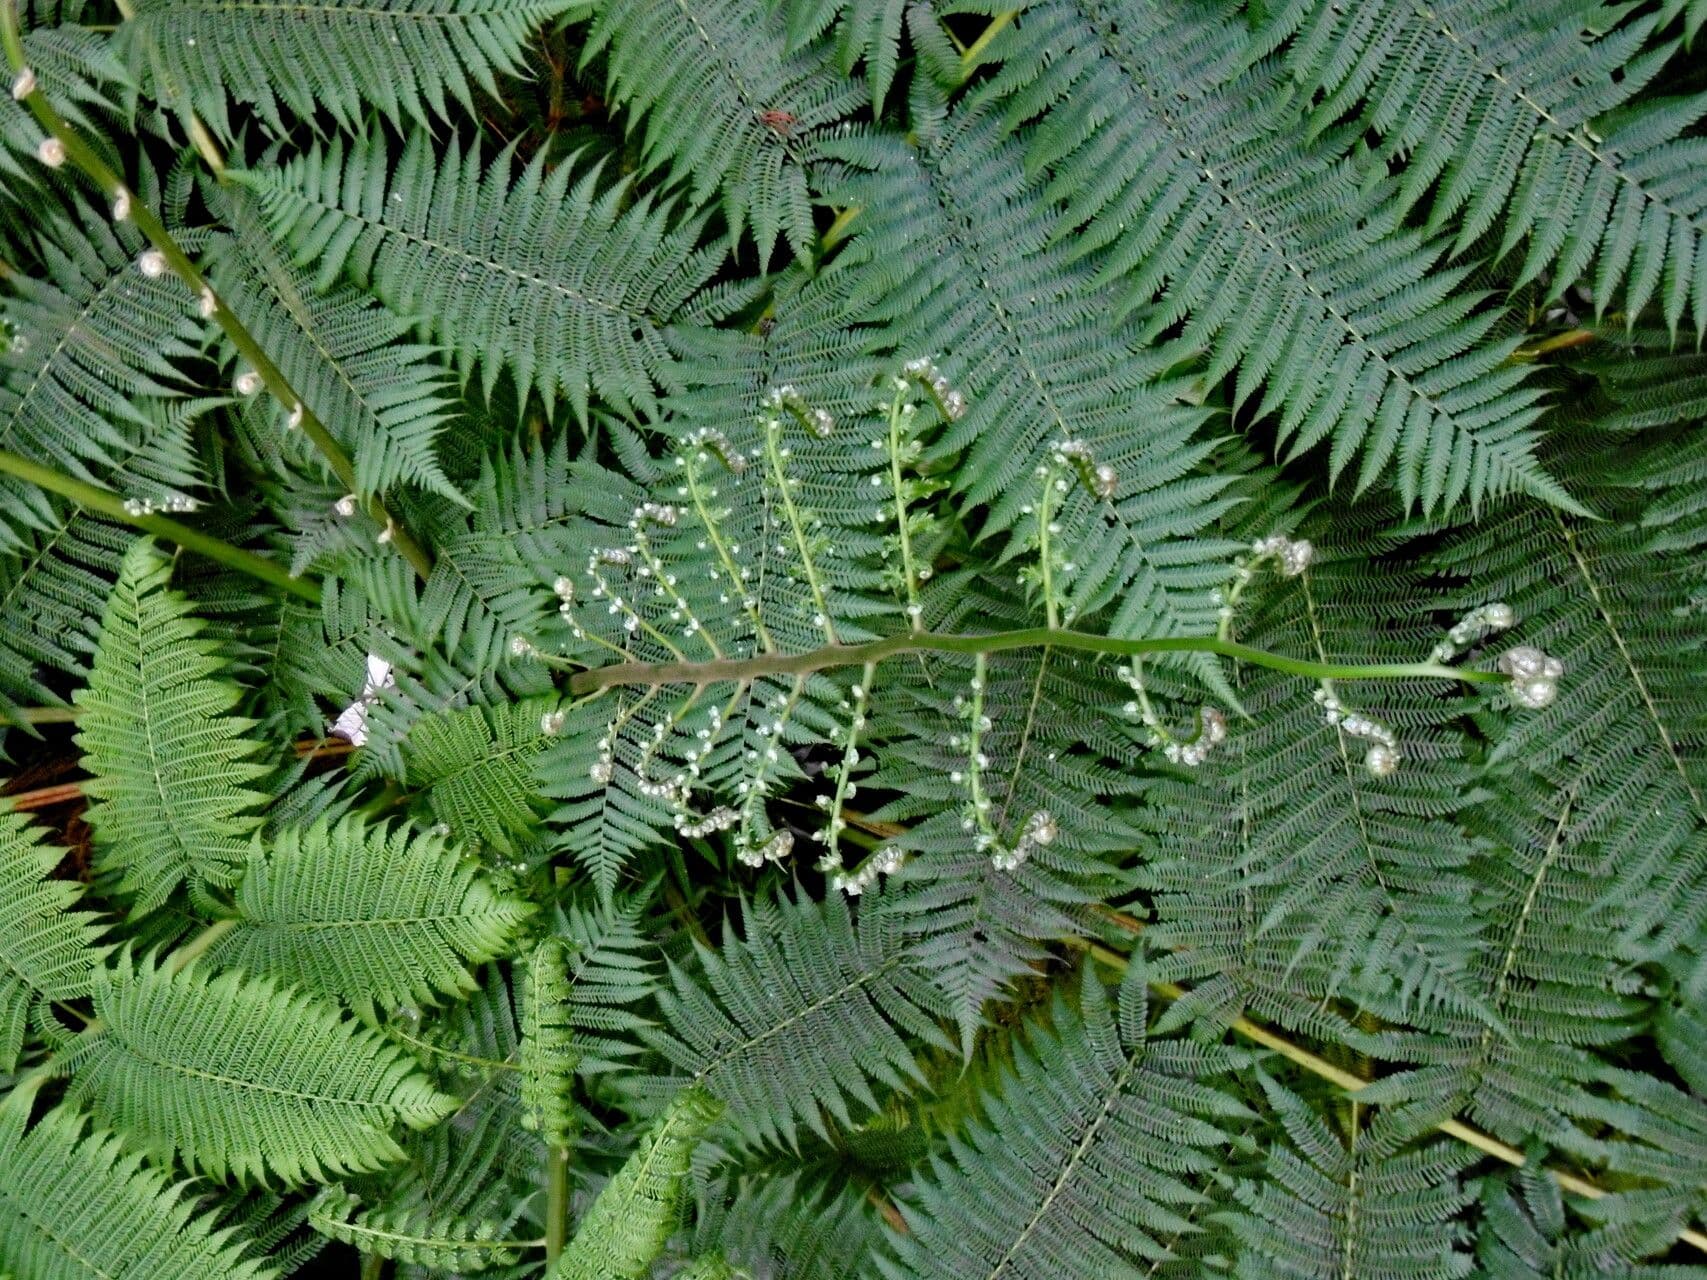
[410, 59]
[244, 1078]
[567, 286]
[93, 340]
[1359, 1205]
[47, 952]
[1096, 1141]
[171, 765]
[475, 767]
[725, 108]
[1284, 259]
[77, 1205]
[384, 400]
[1527, 118]
[627, 1226]
[91, 86]
[368, 913]
[613, 970]
[412, 1235]
[549, 1054]
[800, 1019]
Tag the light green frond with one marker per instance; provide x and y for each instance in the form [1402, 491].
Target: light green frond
[635, 1213]
[799, 1021]
[566, 285]
[244, 1078]
[1096, 1145]
[76, 1205]
[411, 59]
[412, 1235]
[369, 913]
[549, 1054]
[724, 108]
[46, 951]
[475, 767]
[613, 973]
[171, 765]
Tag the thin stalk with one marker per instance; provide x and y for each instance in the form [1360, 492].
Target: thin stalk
[90, 163]
[556, 1203]
[373, 1266]
[1352, 1084]
[969, 56]
[109, 504]
[654, 674]
[45, 715]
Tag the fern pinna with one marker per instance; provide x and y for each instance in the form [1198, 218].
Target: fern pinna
[847, 640]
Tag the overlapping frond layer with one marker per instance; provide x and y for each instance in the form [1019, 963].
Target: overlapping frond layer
[725, 108]
[92, 341]
[369, 913]
[384, 400]
[77, 1205]
[410, 59]
[91, 84]
[412, 1234]
[614, 972]
[953, 254]
[1286, 873]
[475, 767]
[171, 765]
[559, 277]
[244, 1078]
[798, 1021]
[1520, 120]
[46, 951]
[52, 594]
[1098, 1146]
[627, 1226]
[1282, 256]
[1376, 1209]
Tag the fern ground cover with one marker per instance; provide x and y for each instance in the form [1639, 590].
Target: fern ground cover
[853, 639]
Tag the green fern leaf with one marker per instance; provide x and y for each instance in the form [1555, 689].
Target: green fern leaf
[798, 1021]
[725, 109]
[548, 1052]
[411, 1235]
[171, 765]
[245, 1078]
[93, 342]
[628, 1224]
[1194, 197]
[368, 913]
[1097, 1142]
[47, 952]
[567, 287]
[411, 59]
[476, 768]
[76, 1205]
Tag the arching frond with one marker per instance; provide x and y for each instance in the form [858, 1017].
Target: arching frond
[171, 764]
[46, 951]
[725, 109]
[412, 1235]
[242, 1077]
[807, 1013]
[92, 341]
[1098, 1142]
[548, 1056]
[77, 1205]
[1283, 258]
[411, 59]
[475, 767]
[627, 1226]
[544, 274]
[369, 913]
[1527, 120]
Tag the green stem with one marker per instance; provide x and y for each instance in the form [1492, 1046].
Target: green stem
[843, 655]
[373, 1266]
[86, 159]
[556, 1203]
[970, 55]
[109, 504]
[45, 715]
